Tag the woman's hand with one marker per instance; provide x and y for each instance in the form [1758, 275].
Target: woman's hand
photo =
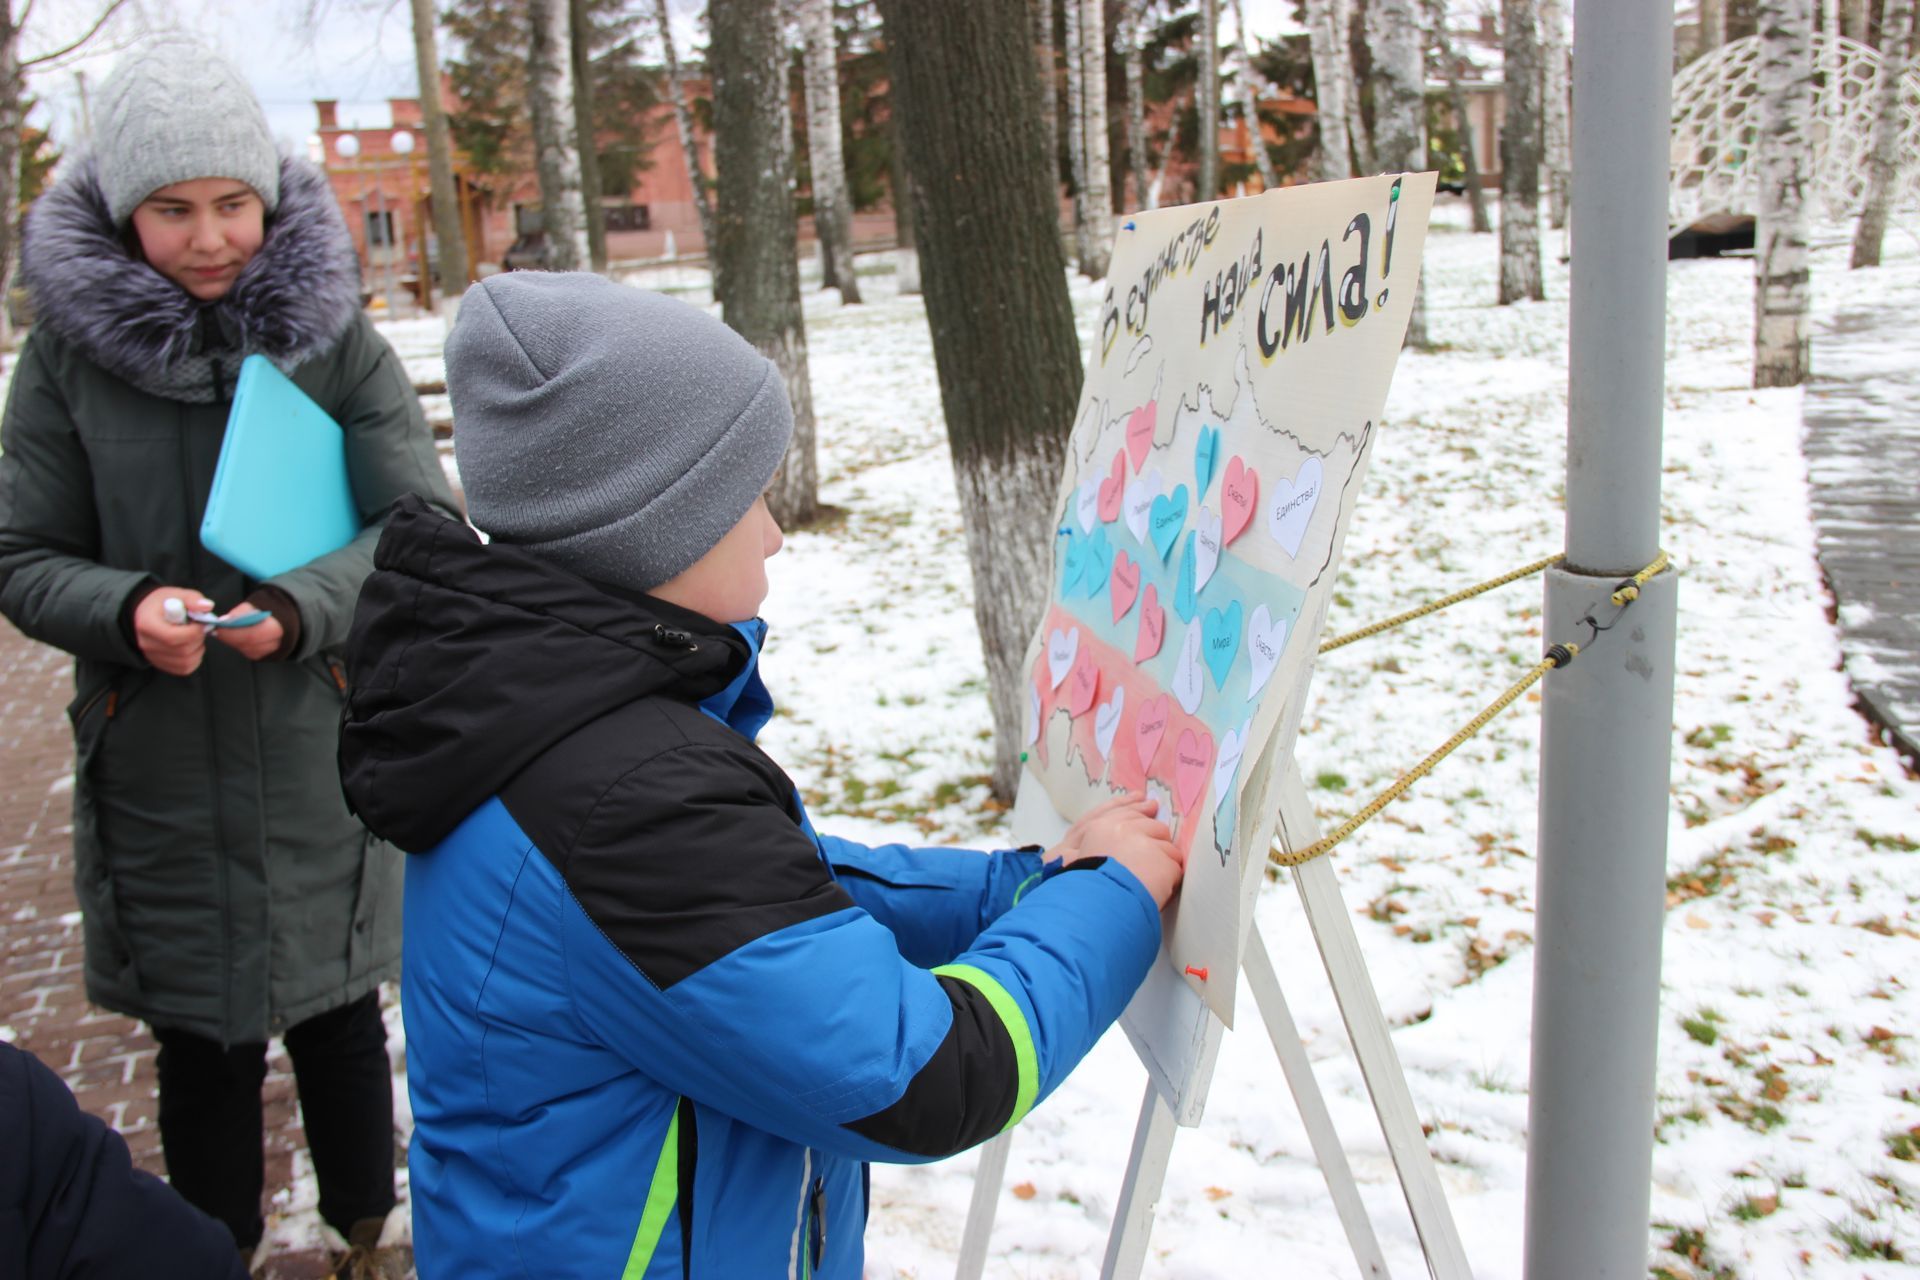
[257, 641]
[173, 647]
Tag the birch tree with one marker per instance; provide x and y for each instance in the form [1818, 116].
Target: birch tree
[1130, 18]
[756, 241]
[1077, 132]
[683, 122]
[1556, 108]
[832, 206]
[1250, 98]
[1333, 158]
[1007, 356]
[906, 253]
[1400, 109]
[447, 228]
[1713, 25]
[1520, 270]
[555, 134]
[1206, 100]
[1093, 84]
[1781, 289]
[1040, 13]
[580, 60]
[1896, 51]
[1462, 121]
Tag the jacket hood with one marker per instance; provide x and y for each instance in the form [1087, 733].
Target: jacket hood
[290, 303]
[468, 660]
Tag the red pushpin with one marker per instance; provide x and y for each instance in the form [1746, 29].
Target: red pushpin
[1199, 972]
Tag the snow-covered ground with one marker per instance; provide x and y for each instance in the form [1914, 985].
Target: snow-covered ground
[1789, 1098]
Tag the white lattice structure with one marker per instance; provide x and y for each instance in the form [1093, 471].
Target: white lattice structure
[1715, 130]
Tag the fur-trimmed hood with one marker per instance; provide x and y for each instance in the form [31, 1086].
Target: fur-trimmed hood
[290, 303]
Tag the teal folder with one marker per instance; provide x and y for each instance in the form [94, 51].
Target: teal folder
[280, 495]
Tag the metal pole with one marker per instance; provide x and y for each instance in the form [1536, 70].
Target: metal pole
[1607, 719]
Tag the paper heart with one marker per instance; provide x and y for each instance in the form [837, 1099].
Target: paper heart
[1061, 648]
[1033, 714]
[1220, 641]
[1233, 744]
[1266, 638]
[1141, 491]
[1074, 563]
[1239, 492]
[1189, 683]
[1153, 626]
[1150, 728]
[1290, 509]
[1123, 587]
[1106, 721]
[1113, 487]
[1140, 432]
[1099, 562]
[1167, 518]
[1083, 682]
[1206, 546]
[1192, 759]
[1086, 503]
[1161, 797]
[1206, 453]
[1184, 602]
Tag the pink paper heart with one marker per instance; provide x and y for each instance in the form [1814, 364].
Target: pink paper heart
[1192, 762]
[1150, 728]
[1083, 682]
[1239, 491]
[1113, 488]
[1123, 586]
[1140, 432]
[1153, 626]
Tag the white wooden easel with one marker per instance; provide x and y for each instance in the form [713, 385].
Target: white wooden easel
[1159, 1116]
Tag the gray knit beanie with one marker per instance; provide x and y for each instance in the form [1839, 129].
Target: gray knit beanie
[617, 432]
[172, 111]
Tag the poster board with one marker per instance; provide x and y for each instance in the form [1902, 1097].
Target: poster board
[1242, 357]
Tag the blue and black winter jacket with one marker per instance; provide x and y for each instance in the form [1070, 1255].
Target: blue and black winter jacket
[655, 1023]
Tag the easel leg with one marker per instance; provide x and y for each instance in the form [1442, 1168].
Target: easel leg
[1140, 1193]
[986, 1199]
[1332, 1158]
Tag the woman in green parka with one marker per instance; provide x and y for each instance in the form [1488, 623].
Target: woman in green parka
[227, 894]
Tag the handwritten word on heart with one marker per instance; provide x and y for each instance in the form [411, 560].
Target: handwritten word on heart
[1083, 682]
[1074, 563]
[1153, 626]
[1123, 587]
[1099, 562]
[1192, 760]
[1141, 491]
[1239, 491]
[1266, 637]
[1113, 487]
[1167, 518]
[1232, 746]
[1086, 503]
[1106, 721]
[1184, 602]
[1061, 648]
[1206, 453]
[1220, 641]
[1150, 728]
[1140, 425]
[1291, 507]
[1206, 545]
[1188, 678]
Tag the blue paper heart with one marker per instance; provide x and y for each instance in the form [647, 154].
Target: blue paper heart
[1165, 518]
[1220, 641]
[1206, 455]
[1183, 601]
[1074, 562]
[1099, 565]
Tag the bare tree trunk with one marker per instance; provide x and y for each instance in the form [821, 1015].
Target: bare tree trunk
[757, 241]
[1520, 270]
[1713, 25]
[1781, 292]
[1136, 102]
[907, 245]
[555, 139]
[1008, 360]
[452, 263]
[583, 117]
[1896, 51]
[1400, 110]
[1333, 158]
[1206, 101]
[683, 121]
[1041, 14]
[1857, 17]
[1556, 107]
[1358, 136]
[832, 206]
[1093, 86]
[1250, 98]
[1077, 132]
[1462, 121]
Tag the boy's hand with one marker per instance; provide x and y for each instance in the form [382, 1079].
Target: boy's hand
[1127, 831]
[173, 647]
[1070, 847]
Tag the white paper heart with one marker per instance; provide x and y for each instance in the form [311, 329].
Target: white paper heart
[1138, 503]
[1188, 674]
[1266, 639]
[1161, 794]
[1033, 714]
[1290, 506]
[1206, 547]
[1232, 747]
[1086, 504]
[1062, 646]
[1106, 721]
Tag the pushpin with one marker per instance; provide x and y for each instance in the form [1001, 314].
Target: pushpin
[1199, 971]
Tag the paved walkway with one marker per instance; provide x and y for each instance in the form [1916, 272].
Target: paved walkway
[1862, 418]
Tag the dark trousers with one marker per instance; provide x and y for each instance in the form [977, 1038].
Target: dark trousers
[210, 1125]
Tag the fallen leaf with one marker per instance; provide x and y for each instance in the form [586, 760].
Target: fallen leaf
[1218, 1193]
[1696, 922]
[1024, 1191]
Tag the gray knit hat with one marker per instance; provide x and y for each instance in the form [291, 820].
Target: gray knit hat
[617, 432]
[172, 111]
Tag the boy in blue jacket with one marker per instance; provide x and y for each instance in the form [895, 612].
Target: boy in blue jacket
[656, 1024]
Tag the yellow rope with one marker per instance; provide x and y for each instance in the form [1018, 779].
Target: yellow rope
[1327, 646]
[1630, 589]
